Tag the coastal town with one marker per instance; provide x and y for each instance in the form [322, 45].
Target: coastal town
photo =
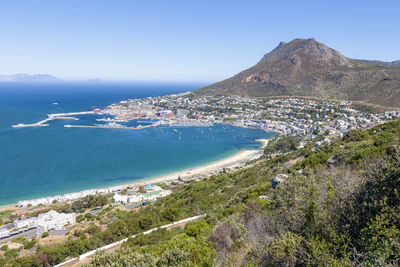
[308, 120]
[304, 118]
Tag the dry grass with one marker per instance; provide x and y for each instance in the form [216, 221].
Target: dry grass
[52, 240]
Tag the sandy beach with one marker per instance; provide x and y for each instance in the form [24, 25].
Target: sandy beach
[237, 160]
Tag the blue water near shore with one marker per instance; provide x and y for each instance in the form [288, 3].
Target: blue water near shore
[46, 161]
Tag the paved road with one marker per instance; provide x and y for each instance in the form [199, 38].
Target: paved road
[95, 211]
[28, 234]
[60, 232]
[129, 207]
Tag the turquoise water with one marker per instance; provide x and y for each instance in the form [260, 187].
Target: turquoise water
[45, 161]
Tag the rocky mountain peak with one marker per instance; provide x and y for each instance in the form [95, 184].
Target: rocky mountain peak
[305, 67]
[306, 50]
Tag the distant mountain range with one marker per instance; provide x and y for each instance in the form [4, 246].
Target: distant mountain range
[23, 77]
[305, 67]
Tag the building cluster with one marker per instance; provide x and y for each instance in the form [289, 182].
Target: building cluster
[67, 197]
[152, 193]
[295, 116]
[51, 220]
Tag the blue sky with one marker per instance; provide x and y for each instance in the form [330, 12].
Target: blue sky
[182, 40]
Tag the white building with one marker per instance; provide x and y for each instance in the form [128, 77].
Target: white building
[67, 197]
[120, 198]
[4, 233]
[26, 223]
[154, 193]
[53, 220]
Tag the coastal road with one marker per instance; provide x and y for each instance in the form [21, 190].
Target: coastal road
[28, 234]
[85, 258]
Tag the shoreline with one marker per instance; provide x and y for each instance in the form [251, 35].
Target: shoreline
[238, 159]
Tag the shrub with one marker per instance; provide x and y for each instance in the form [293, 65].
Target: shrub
[29, 261]
[30, 244]
[10, 254]
[45, 234]
[93, 229]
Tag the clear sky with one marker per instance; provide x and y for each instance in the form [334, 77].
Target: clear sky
[184, 40]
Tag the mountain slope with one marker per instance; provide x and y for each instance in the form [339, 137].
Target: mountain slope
[305, 67]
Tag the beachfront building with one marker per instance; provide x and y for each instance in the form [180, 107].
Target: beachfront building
[153, 192]
[68, 197]
[4, 233]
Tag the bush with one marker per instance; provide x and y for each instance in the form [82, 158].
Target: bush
[30, 244]
[314, 160]
[29, 261]
[10, 254]
[20, 240]
[89, 217]
[197, 228]
[93, 229]
[80, 218]
[2, 261]
[45, 234]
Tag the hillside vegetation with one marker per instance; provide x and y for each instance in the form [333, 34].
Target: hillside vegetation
[338, 206]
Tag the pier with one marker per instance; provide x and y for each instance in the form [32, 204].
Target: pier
[22, 125]
[56, 116]
[72, 114]
[110, 127]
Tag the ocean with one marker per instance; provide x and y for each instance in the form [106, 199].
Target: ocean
[46, 161]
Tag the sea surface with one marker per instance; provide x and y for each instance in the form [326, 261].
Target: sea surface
[46, 161]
